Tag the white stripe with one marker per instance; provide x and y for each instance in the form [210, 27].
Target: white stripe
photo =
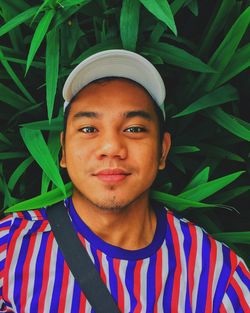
[218, 267]
[89, 251]
[243, 287]
[143, 276]
[14, 261]
[52, 274]
[227, 304]
[105, 266]
[88, 307]
[69, 295]
[122, 274]
[197, 267]
[165, 270]
[32, 271]
[183, 278]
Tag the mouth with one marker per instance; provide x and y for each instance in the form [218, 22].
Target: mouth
[112, 175]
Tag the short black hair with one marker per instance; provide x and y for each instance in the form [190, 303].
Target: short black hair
[157, 109]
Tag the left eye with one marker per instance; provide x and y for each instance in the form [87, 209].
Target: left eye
[135, 129]
[88, 129]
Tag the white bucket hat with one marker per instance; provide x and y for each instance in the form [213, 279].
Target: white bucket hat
[115, 63]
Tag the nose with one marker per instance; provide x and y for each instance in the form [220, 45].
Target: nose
[112, 146]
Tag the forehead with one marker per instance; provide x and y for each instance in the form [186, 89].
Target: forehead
[113, 96]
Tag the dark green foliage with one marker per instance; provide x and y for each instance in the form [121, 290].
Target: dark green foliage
[202, 50]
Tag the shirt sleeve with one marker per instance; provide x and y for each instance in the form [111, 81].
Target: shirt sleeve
[5, 225]
[237, 296]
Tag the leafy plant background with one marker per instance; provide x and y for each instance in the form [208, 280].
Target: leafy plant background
[202, 50]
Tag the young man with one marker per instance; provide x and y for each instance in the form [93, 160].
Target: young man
[113, 145]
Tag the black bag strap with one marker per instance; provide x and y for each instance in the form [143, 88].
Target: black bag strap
[79, 261]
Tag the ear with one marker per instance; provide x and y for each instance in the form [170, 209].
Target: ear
[63, 158]
[166, 143]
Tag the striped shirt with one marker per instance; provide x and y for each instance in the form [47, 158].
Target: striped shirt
[183, 269]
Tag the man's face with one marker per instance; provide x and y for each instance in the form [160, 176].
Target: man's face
[111, 148]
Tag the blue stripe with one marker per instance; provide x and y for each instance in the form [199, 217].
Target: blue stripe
[58, 282]
[234, 299]
[76, 298]
[5, 224]
[151, 284]
[112, 279]
[129, 282]
[19, 273]
[243, 277]
[203, 283]
[39, 273]
[223, 279]
[172, 267]
[187, 247]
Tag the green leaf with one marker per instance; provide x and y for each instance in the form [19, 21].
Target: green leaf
[42, 201]
[161, 10]
[52, 68]
[17, 20]
[239, 62]
[177, 202]
[200, 178]
[56, 124]
[221, 95]
[129, 23]
[15, 78]
[227, 196]
[236, 237]
[193, 7]
[109, 44]
[207, 189]
[10, 97]
[176, 56]
[229, 123]
[184, 149]
[219, 153]
[19, 171]
[5, 140]
[12, 155]
[176, 5]
[39, 150]
[69, 3]
[39, 34]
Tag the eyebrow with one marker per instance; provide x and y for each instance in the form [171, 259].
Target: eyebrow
[127, 115]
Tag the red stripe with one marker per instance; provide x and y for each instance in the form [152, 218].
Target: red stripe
[46, 272]
[244, 270]
[158, 278]
[5, 228]
[64, 288]
[212, 261]
[3, 247]
[137, 286]
[177, 274]
[222, 308]
[26, 267]
[102, 273]
[10, 254]
[82, 306]
[241, 297]
[116, 263]
[192, 260]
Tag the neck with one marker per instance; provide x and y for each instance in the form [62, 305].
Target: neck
[132, 227]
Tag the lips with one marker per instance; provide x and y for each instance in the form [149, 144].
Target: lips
[112, 175]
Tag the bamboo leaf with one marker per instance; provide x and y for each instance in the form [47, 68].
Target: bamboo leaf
[69, 3]
[56, 124]
[176, 5]
[227, 196]
[177, 202]
[19, 171]
[129, 23]
[12, 155]
[207, 189]
[161, 10]
[12, 98]
[184, 149]
[176, 56]
[200, 178]
[42, 201]
[193, 7]
[5, 140]
[219, 153]
[17, 20]
[239, 62]
[229, 123]
[52, 68]
[36, 144]
[15, 78]
[236, 237]
[221, 95]
[39, 34]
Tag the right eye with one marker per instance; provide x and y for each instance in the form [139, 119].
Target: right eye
[88, 129]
